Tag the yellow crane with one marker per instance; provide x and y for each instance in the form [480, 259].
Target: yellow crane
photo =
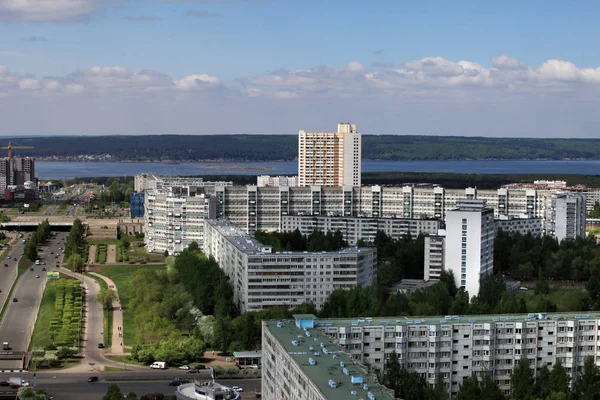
[10, 147]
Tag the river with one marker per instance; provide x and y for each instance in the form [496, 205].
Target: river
[65, 170]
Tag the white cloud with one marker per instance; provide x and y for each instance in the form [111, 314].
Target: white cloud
[193, 82]
[29, 84]
[498, 97]
[45, 10]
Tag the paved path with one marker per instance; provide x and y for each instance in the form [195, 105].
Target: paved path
[111, 255]
[94, 359]
[116, 348]
[92, 254]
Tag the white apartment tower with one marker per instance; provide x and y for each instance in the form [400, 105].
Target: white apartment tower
[330, 158]
[565, 216]
[469, 246]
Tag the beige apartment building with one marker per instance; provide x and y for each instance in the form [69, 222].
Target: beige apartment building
[330, 158]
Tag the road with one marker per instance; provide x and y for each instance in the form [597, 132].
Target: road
[76, 387]
[9, 273]
[19, 320]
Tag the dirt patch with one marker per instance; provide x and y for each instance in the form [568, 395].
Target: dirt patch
[111, 257]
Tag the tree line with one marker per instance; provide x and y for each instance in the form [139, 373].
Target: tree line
[548, 384]
[37, 238]
[295, 241]
[285, 147]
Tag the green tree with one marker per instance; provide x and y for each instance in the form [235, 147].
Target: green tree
[587, 384]
[542, 383]
[469, 389]
[106, 297]
[559, 380]
[489, 388]
[522, 383]
[113, 393]
[131, 396]
[75, 262]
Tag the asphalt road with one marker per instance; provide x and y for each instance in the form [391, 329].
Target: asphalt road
[9, 273]
[76, 387]
[19, 320]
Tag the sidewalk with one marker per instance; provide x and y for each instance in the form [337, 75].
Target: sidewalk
[116, 348]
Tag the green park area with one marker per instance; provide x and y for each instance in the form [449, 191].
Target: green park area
[121, 276]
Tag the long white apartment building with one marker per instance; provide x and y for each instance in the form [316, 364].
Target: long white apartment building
[255, 208]
[357, 228]
[173, 219]
[454, 347]
[262, 278]
[144, 182]
[469, 243]
[330, 158]
[267, 180]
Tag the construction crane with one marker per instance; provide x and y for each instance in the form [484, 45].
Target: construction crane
[10, 147]
[10, 160]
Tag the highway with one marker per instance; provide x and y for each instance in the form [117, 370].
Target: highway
[75, 386]
[19, 320]
[9, 273]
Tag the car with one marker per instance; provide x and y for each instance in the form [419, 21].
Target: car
[37, 276]
[60, 248]
[193, 371]
[4, 383]
[6, 265]
[31, 269]
[8, 257]
[100, 345]
[178, 382]
[56, 256]
[43, 269]
[200, 366]
[53, 252]
[93, 379]
[237, 389]
[184, 367]
[15, 300]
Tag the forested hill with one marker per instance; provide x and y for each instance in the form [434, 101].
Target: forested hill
[285, 147]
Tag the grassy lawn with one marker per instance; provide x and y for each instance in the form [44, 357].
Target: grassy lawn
[108, 317]
[93, 240]
[61, 209]
[41, 332]
[126, 360]
[120, 275]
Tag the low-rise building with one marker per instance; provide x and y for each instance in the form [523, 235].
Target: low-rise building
[522, 225]
[262, 278]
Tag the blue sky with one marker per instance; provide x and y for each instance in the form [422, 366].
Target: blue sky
[389, 66]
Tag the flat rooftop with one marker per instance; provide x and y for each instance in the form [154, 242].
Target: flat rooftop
[327, 364]
[454, 319]
[249, 245]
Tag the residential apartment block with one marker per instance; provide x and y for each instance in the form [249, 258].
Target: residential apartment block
[469, 243]
[302, 363]
[454, 347]
[357, 228]
[267, 180]
[262, 278]
[255, 208]
[434, 256]
[566, 216]
[330, 158]
[175, 218]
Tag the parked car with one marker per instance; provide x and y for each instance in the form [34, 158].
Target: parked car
[37, 276]
[100, 345]
[6, 265]
[15, 300]
[93, 379]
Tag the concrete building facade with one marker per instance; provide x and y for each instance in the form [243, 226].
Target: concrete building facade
[454, 347]
[262, 278]
[469, 246]
[566, 216]
[330, 158]
[267, 180]
[357, 228]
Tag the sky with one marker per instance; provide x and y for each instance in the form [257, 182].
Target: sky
[464, 68]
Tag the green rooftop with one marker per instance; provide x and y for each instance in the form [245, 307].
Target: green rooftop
[331, 370]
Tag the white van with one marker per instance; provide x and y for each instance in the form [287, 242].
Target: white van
[158, 365]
